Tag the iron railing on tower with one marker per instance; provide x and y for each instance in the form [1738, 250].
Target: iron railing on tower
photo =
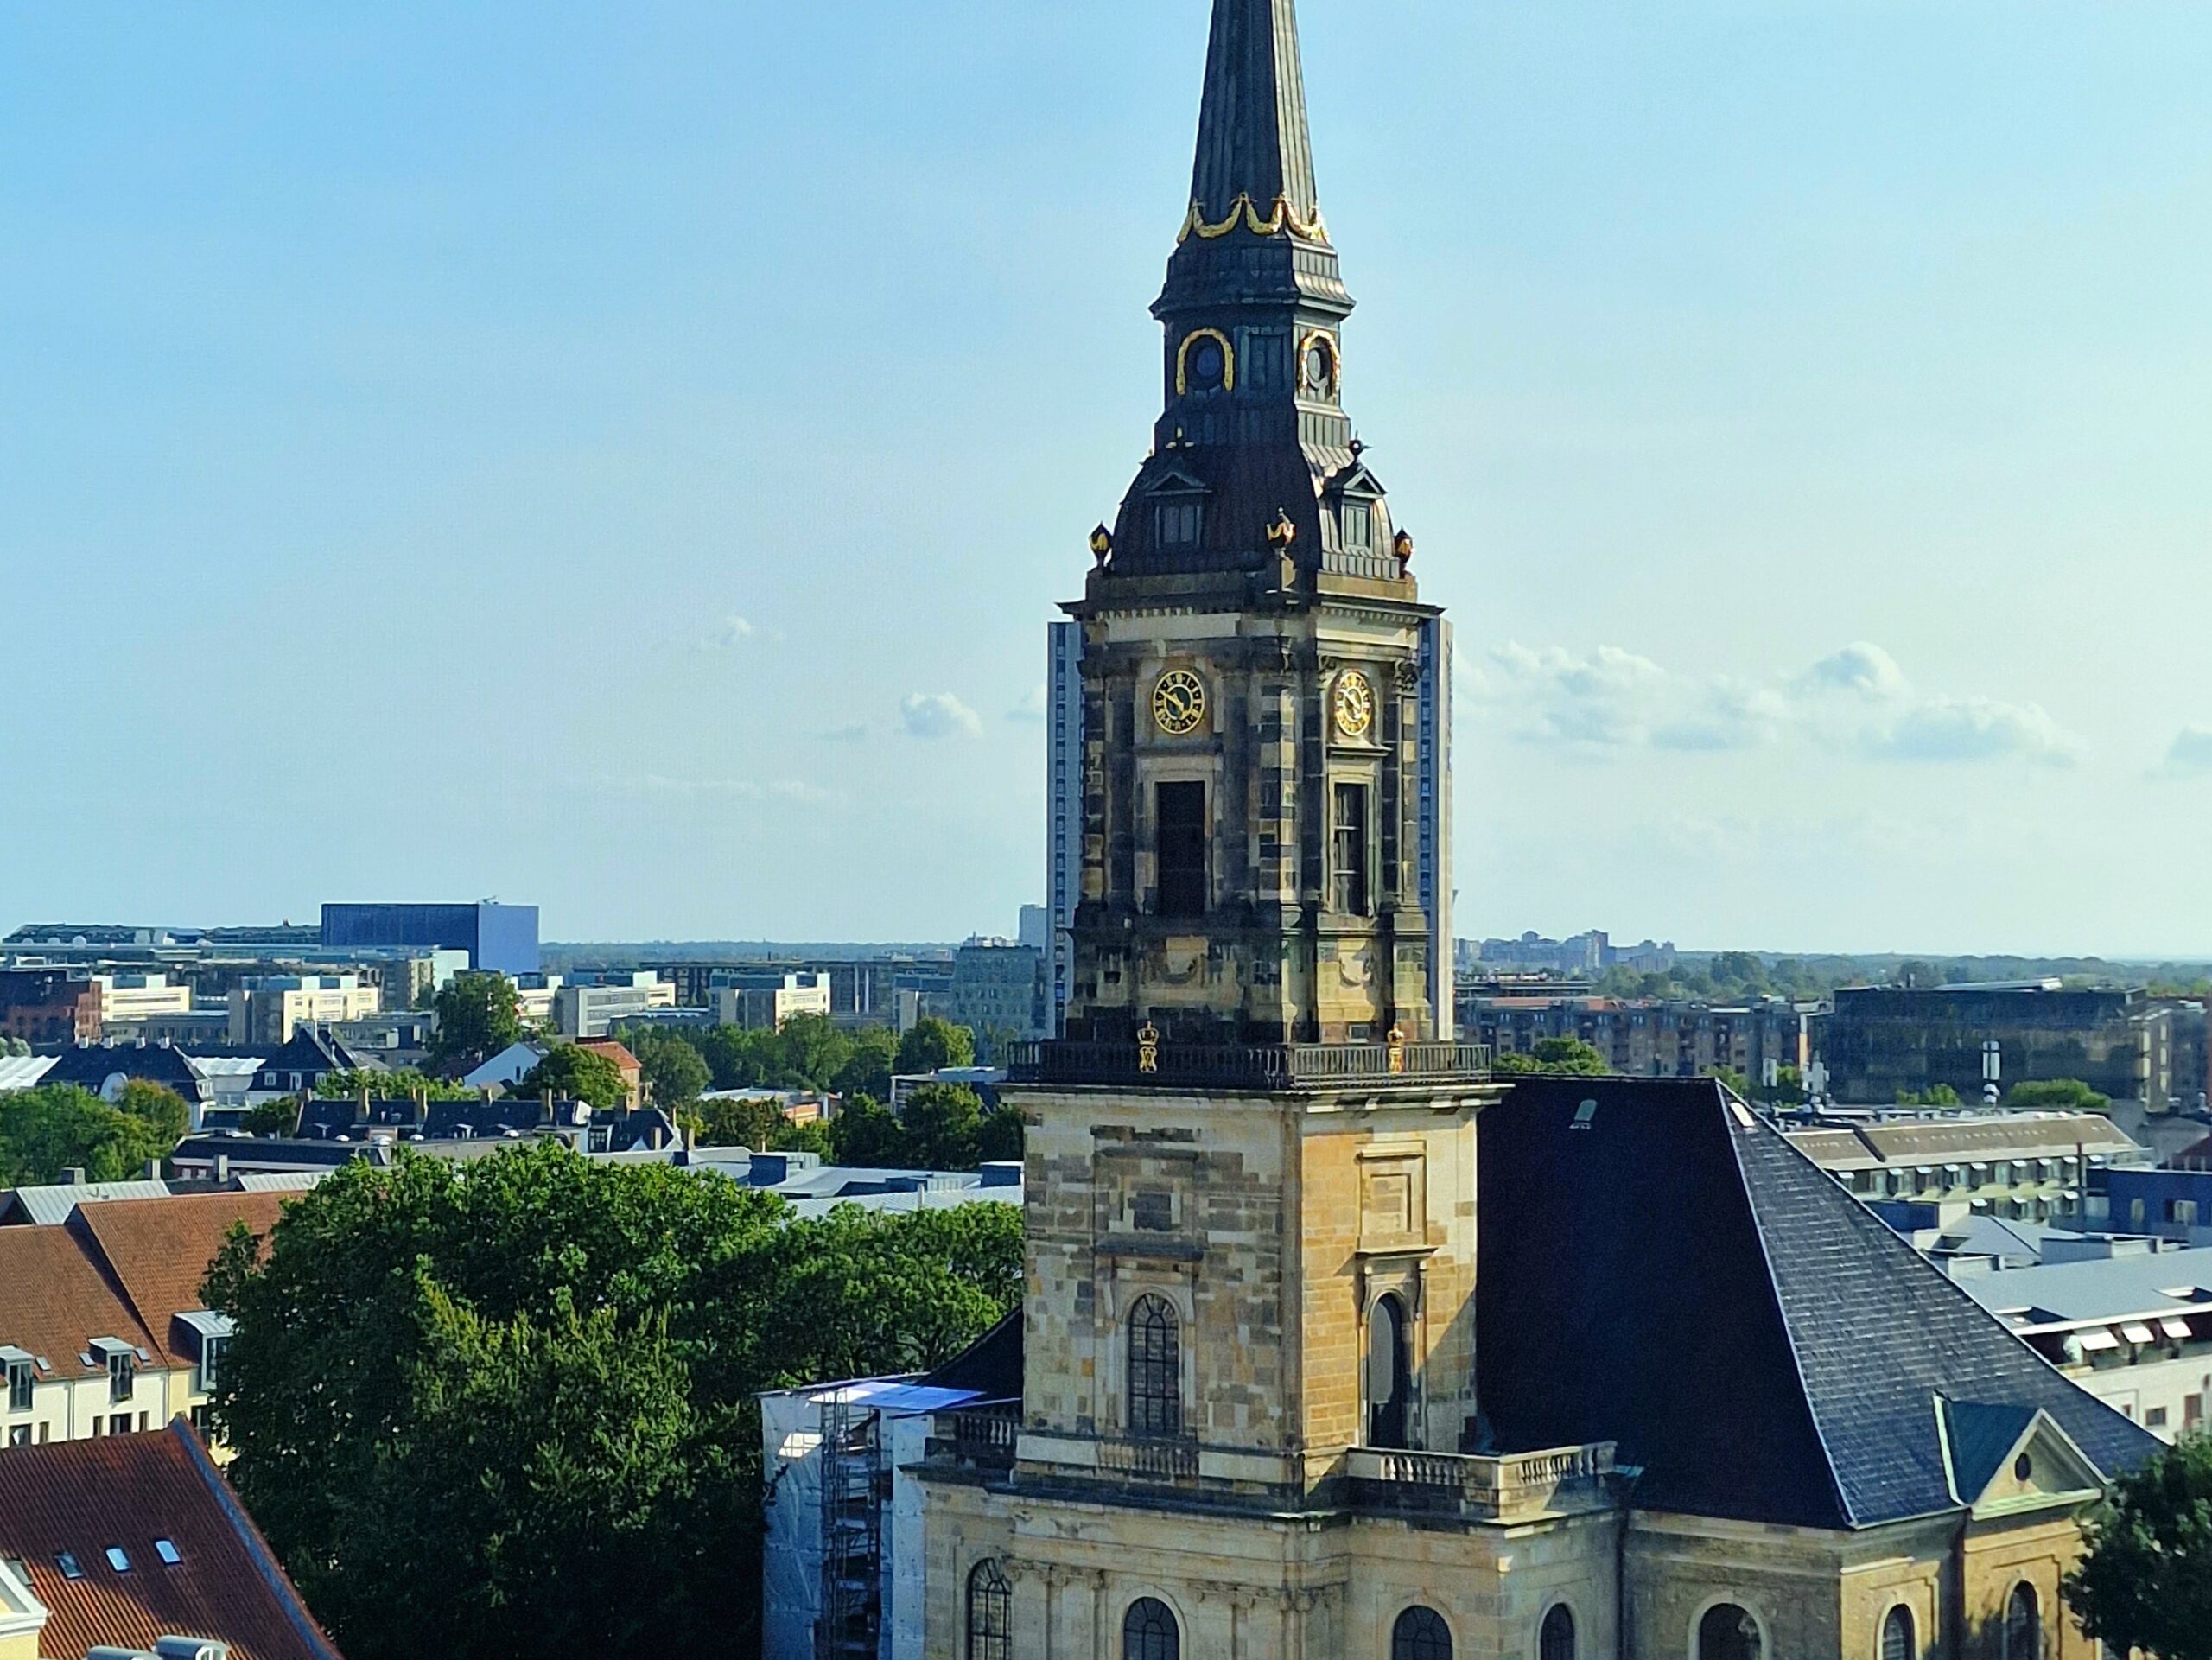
[1151, 1063]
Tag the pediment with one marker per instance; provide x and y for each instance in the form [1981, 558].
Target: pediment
[1172, 478]
[2010, 1458]
[1358, 482]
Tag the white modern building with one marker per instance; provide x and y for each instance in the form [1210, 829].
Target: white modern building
[593, 1010]
[139, 997]
[268, 1009]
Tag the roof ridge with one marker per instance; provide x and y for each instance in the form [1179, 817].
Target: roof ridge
[94, 1250]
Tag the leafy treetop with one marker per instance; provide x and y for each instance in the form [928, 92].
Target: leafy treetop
[2144, 1582]
[55, 1127]
[478, 1015]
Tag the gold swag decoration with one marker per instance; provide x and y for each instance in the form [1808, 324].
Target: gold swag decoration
[1285, 217]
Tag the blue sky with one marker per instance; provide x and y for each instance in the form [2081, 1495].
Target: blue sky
[623, 457]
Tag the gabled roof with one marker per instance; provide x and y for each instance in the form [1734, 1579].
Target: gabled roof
[617, 1052]
[1982, 1439]
[54, 1301]
[50, 1204]
[1672, 1276]
[158, 1251]
[313, 1053]
[91, 1065]
[126, 1493]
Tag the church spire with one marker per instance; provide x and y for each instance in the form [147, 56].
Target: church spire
[1252, 136]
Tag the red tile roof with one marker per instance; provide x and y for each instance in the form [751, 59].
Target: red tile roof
[54, 1301]
[619, 1053]
[124, 1492]
[157, 1250]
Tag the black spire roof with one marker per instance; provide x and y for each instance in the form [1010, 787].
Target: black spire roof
[1252, 138]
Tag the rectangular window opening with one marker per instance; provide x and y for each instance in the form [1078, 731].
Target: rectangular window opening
[1352, 894]
[1181, 810]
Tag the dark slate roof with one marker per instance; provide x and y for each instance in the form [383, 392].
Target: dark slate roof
[991, 1367]
[89, 1066]
[314, 1052]
[1674, 1278]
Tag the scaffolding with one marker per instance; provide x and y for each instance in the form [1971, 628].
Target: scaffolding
[853, 1485]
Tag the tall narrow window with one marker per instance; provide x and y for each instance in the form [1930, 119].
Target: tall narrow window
[1556, 1640]
[990, 1614]
[21, 1381]
[1359, 519]
[1155, 1369]
[1150, 1632]
[122, 1377]
[1421, 1634]
[1179, 524]
[1180, 811]
[1897, 1636]
[1350, 873]
[1388, 1385]
[2023, 1625]
[1728, 1633]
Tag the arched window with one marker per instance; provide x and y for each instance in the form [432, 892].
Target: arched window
[1728, 1632]
[1389, 1388]
[1556, 1641]
[1155, 1369]
[1150, 1632]
[1421, 1634]
[990, 1614]
[1897, 1636]
[2023, 1625]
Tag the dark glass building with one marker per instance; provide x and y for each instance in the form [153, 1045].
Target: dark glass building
[501, 937]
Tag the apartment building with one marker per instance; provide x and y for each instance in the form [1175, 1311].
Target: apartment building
[269, 1009]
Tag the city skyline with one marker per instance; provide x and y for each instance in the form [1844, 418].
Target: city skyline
[477, 497]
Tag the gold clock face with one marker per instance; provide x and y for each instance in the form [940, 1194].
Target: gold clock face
[1179, 703]
[1355, 704]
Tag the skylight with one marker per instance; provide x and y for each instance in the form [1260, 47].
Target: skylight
[168, 1552]
[118, 1559]
[70, 1567]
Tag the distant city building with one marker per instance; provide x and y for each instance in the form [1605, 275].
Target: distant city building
[999, 989]
[1673, 1039]
[626, 1065]
[47, 1006]
[496, 937]
[1063, 806]
[270, 1008]
[300, 1063]
[2024, 1167]
[104, 1069]
[774, 1000]
[126, 997]
[1591, 953]
[592, 1006]
[1881, 1040]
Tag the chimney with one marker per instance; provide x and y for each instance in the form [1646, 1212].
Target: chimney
[153, 1170]
[223, 1167]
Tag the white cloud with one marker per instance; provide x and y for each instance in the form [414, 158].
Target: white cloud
[853, 732]
[2191, 754]
[938, 714]
[1030, 710]
[730, 632]
[1857, 699]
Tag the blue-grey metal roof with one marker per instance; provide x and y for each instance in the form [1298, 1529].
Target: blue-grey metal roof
[2105, 1288]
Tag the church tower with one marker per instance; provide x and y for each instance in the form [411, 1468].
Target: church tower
[1252, 638]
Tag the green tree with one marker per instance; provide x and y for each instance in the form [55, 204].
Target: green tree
[403, 1084]
[942, 1121]
[273, 1118]
[574, 1073]
[2058, 1095]
[673, 1069]
[867, 1069]
[583, 1342]
[811, 1138]
[1936, 1095]
[59, 1127]
[478, 1015]
[751, 1122]
[1569, 1057]
[867, 1135]
[2144, 1582]
[161, 1109]
[1002, 1136]
[933, 1044]
[815, 1049]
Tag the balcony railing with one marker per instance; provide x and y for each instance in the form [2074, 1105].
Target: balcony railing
[1263, 1066]
[1517, 1485]
[1147, 1460]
